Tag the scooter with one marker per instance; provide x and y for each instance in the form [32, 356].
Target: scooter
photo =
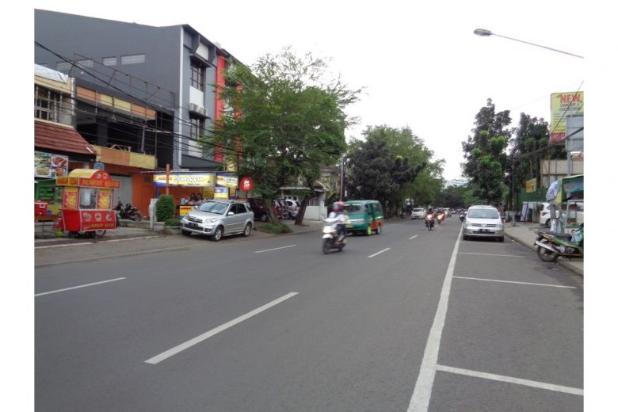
[128, 212]
[429, 221]
[550, 246]
[330, 239]
[440, 217]
[462, 217]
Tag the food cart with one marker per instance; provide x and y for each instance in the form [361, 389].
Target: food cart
[87, 202]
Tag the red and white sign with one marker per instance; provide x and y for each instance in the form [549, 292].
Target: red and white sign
[246, 184]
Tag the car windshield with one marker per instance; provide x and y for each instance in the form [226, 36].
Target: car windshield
[214, 207]
[418, 210]
[483, 214]
[352, 208]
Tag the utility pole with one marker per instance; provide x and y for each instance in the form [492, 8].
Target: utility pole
[342, 172]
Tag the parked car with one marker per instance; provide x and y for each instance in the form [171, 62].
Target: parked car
[419, 213]
[218, 218]
[545, 217]
[291, 208]
[483, 221]
[259, 209]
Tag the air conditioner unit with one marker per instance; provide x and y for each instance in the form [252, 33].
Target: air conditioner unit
[198, 109]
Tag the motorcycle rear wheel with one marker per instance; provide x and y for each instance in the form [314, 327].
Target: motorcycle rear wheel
[326, 246]
[546, 255]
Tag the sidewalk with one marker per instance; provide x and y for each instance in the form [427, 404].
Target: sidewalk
[118, 233]
[525, 233]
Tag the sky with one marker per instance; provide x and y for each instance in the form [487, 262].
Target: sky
[419, 63]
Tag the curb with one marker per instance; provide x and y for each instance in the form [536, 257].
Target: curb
[564, 263]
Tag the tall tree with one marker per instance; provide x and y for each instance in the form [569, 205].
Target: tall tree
[288, 119]
[484, 153]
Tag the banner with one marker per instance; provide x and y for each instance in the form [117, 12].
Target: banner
[192, 180]
[227, 181]
[530, 185]
[562, 106]
[221, 193]
[50, 165]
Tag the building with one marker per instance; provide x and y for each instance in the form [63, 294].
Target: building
[173, 69]
[58, 146]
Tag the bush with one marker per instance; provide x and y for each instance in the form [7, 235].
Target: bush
[276, 229]
[174, 221]
[166, 209]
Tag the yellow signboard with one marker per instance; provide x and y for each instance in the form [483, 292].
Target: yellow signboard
[563, 105]
[227, 181]
[193, 180]
[183, 210]
[530, 185]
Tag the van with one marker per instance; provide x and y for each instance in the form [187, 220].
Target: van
[364, 216]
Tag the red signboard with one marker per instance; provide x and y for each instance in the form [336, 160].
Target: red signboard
[246, 184]
[98, 219]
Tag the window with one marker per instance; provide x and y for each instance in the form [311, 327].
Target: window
[133, 59]
[194, 148]
[47, 104]
[87, 198]
[85, 63]
[240, 208]
[110, 61]
[197, 76]
[63, 66]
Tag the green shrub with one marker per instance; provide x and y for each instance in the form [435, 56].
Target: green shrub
[166, 209]
[174, 221]
[276, 229]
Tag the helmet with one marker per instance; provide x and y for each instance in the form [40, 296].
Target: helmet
[338, 206]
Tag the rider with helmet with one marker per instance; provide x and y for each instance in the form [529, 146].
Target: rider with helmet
[339, 215]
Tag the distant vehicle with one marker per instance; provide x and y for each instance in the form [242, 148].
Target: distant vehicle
[259, 209]
[218, 218]
[483, 221]
[418, 213]
[545, 218]
[364, 216]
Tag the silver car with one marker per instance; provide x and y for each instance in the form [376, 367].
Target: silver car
[218, 218]
[418, 213]
[483, 221]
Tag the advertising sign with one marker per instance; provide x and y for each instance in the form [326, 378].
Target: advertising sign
[530, 185]
[192, 180]
[98, 219]
[50, 165]
[227, 181]
[246, 184]
[564, 105]
[221, 192]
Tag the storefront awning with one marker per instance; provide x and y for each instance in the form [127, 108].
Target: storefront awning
[60, 138]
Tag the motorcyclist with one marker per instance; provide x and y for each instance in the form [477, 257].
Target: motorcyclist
[339, 216]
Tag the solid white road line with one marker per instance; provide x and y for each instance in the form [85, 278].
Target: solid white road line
[424, 383]
[518, 283]
[191, 342]
[129, 238]
[64, 245]
[377, 253]
[270, 250]
[488, 254]
[509, 379]
[78, 287]
[413, 237]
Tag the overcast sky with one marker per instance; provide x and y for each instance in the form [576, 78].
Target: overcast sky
[419, 63]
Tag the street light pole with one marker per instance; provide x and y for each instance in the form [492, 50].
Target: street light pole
[485, 32]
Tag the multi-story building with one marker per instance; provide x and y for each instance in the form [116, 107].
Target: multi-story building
[173, 69]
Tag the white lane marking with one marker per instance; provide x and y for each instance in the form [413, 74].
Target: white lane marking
[377, 253]
[488, 254]
[64, 245]
[513, 281]
[509, 379]
[424, 383]
[78, 287]
[277, 248]
[129, 238]
[413, 237]
[191, 342]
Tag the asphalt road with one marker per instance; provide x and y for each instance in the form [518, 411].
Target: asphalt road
[407, 320]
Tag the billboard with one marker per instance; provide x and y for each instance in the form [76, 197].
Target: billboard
[50, 165]
[564, 105]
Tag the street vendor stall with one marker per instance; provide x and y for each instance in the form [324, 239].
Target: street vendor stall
[87, 202]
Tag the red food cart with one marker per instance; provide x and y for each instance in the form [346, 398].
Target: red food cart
[87, 202]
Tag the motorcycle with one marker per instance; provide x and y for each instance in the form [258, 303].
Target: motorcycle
[429, 221]
[128, 212]
[331, 240]
[462, 217]
[550, 246]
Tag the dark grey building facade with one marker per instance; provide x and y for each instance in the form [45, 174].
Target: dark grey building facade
[173, 68]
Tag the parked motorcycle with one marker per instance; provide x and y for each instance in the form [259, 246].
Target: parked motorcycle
[550, 246]
[429, 221]
[128, 212]
[331, 240]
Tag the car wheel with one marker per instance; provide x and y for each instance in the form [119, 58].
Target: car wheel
[186, 232]
[501, 239]
[247, 231]
[218, 234]
[465, 237]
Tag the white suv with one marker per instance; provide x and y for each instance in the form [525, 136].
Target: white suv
[418, 213]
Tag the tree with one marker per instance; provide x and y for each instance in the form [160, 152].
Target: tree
[385, 165]
[287, 119]
[484, 153]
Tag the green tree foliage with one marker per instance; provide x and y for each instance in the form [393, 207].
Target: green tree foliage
[288, 120]
[484, 153]
[385, 166]
[165, 209]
